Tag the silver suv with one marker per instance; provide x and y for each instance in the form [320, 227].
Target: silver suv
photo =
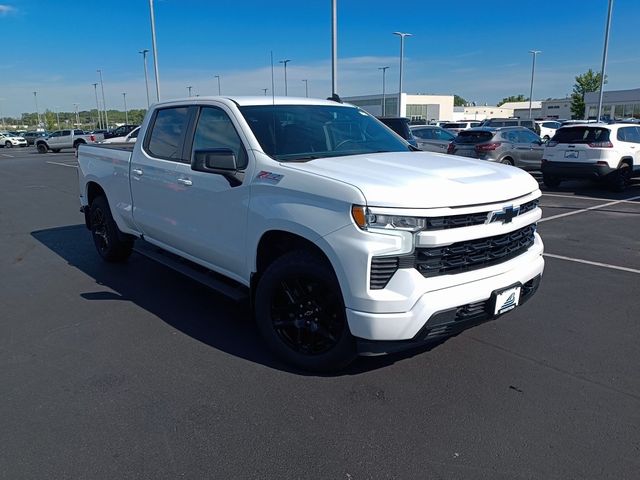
[516, 146]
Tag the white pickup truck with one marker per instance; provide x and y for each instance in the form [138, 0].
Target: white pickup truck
[56, 141]
[344, 239]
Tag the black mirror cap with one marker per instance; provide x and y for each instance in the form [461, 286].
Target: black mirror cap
[214, 160]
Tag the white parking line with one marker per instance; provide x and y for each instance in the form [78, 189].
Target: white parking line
[587, 198]
[582, 210]
[62, 164]
[6, 155]
[589, 262]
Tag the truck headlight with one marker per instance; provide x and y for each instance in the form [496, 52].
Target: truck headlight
[367, 218]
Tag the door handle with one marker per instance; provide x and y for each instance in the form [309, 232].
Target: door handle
[136, 171]
[185, 181]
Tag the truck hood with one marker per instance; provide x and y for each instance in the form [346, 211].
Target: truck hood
[423, 179]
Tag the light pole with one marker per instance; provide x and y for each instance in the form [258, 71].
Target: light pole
[1, 116]
[35, 97]
[155, 49]
[57, 117]
[384, 71]
[533, 69]
[126, 113]
[218, 77]
[306, 88]
[146, 77]
[104, 104]
[189, 88]
[77, 116]
[95, 90]
[401, 35]
[334, 48]
[604, 59]
[285, 75]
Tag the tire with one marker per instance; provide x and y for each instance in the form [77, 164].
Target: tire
[619, 179]
[77, 144]
[55, 150]
[42, 148]
[112, 245]
[506, 161]
[8, 145]
[546, 138]
[551, 181]
[300, 313]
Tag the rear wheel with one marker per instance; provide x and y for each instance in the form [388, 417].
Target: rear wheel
[42, 148]
[620, 178]
[507, 161]
[111, 243]
[301, 315]
[551, 181]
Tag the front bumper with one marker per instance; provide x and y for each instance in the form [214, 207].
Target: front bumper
[575, 169]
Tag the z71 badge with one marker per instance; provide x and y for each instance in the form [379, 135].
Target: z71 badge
[269, 177]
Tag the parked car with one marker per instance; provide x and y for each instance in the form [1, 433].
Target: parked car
[131, 137]
[511, 122]
[456, 127]
[121, 131]
[9, 140]
[60, 139]
[31, 137]
[516, 146]
[594, 150]
[400, 125]
[431, 138]
[547, 128]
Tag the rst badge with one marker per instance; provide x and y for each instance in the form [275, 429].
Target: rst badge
[269, 177]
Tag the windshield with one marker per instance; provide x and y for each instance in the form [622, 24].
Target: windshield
[306, 132]
[473, 136]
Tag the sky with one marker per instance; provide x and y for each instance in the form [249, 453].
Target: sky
[478, 50]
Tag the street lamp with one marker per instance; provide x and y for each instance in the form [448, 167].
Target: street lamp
[146, 77]
[306, 88]
[104, 104]
[1, 116]
[533, 69]
[95, 90]
[189, 88]
[57, 117]
[384, 71]
[126, 113]
[604, 59]
[155, 49]
[35, 97]
[77, 116]
[285, 75]
[401, 35]
[218, 77]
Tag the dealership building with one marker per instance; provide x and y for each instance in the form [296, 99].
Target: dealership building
[618, 104]
[416, 107]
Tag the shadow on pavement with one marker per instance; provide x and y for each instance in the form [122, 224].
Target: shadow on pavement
[181, 302]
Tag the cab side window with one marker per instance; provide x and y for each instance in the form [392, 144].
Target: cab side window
[167, 133]
[215, 130]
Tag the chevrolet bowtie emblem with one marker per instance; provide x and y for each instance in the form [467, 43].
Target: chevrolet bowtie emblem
[505, 215]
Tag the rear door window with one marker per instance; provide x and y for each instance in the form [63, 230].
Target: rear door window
[166, 138]
[472, 137]
[629, 134]
[423, 133]
[581, 135]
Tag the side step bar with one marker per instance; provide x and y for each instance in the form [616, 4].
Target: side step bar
[227, 287]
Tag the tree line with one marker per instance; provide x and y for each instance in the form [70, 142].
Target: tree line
[88, 119]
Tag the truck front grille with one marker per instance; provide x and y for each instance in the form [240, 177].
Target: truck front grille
[455, 258]
[470, 219]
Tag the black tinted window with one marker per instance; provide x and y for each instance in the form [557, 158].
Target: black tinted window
[423, 133]
[471, 136]
[398, 125]
[166, 135]
[215, 130]
[581, 135]
[629, 134]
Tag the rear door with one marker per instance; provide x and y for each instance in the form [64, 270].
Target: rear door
[629, 138]
[532, 149]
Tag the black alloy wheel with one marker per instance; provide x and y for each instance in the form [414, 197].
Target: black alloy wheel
[620, 178]
[42, 148]
[300, 312]
[8, 144]
[111, 244]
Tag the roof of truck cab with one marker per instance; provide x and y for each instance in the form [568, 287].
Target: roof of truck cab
[256, 100]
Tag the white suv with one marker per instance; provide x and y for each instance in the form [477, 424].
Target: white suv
[548, 129]
[594, 150]
[10, 140]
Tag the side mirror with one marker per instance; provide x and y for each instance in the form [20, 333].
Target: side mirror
[215, 160]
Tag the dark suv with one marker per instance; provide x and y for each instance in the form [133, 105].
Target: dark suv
[400, 125]
[31, 137]
[512, 122]
[516, 146]
[121, 131]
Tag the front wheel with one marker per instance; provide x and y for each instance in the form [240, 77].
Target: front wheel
[42, 148]
[112, 245]
[8, 144]
[301, 315]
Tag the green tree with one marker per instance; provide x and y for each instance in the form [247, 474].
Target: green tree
[513, 98]
[49, 120]
[587, 82]
[458, 101]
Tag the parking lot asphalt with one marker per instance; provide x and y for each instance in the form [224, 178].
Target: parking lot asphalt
[134, 371]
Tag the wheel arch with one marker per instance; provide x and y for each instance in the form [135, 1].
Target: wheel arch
[628, 160]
